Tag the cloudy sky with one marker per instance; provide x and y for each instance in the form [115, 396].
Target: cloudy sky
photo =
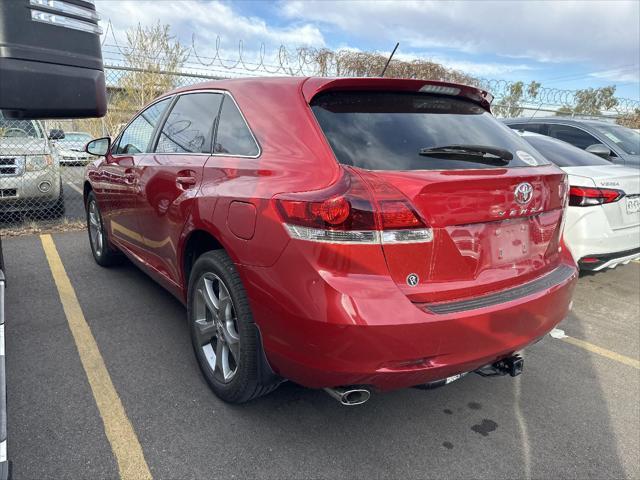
[563, 44]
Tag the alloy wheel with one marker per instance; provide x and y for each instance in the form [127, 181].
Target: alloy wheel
[95, 228]
[216, 327]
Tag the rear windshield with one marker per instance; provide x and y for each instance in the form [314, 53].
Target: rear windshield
[386, 130]
[564, 154]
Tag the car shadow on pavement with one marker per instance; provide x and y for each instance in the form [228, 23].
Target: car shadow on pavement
[569, 415]
[552, 421]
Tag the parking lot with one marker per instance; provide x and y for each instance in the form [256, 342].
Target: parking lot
[574, 413]
[72, 180]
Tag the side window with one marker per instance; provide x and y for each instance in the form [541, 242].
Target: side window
[528, 127]
[137, 136]
[189, 126]
[572, 135]
[233, 136]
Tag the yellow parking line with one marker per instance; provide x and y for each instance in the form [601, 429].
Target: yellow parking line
[632, 362]
[117, 427]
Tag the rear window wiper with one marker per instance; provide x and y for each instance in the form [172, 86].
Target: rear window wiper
[473, 153]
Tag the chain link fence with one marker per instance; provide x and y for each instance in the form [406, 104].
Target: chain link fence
[34, 170]
[42, 163]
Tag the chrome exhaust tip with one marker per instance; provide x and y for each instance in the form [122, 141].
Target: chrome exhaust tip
[349, 396]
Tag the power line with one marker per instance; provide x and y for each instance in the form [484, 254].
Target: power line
[577, 76]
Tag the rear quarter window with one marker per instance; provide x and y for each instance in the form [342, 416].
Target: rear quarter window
[386, 130]
[233, 136]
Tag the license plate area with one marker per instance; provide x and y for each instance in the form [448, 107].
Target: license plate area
[510, 241]
[633, 204]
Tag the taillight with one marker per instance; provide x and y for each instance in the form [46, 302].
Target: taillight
[589, 196]
[350, 211]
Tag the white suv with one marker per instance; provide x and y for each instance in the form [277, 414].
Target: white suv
[29, 169]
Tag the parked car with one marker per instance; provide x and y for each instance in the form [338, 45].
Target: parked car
[71, 148]
[347, 234]
[29, 169]
[618, 144]
[602, 228]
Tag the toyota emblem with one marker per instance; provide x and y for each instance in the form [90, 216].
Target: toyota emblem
[524, 193]
[413, 279]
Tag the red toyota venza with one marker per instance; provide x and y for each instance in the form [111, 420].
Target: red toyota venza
[356, 235]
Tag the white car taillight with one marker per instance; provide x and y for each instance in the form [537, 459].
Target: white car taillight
[588, 196]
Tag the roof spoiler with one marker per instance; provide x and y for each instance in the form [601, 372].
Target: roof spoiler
[316, 85]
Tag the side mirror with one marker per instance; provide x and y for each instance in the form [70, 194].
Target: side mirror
[599, 150]
[98, 147]
[56, 134]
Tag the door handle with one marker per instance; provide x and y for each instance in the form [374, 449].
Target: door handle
[186, 181]
[130, 176]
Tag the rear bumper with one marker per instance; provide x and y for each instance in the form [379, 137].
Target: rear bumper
[327, 330]
[588, 234]
[595, 263]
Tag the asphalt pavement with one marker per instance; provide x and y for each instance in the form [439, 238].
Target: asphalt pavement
[72, 182]
[573, 413]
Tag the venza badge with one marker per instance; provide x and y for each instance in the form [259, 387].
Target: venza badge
[524, 193]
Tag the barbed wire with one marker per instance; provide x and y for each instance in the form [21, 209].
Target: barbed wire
[309, 61]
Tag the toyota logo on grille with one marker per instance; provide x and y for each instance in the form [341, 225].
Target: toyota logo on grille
[523, 193]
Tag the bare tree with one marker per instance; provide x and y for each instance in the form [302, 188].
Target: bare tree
[631, 120]
[564, 111]
[347, 63]
[594, 101]
[512, 104]
[151, 51]
[152, 56]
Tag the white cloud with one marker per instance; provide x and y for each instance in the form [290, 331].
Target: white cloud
[207, 20]
[601, 36]
[477, 69]
[620, 75]
[602, 33]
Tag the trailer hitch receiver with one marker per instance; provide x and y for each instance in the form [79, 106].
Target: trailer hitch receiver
[512, 366]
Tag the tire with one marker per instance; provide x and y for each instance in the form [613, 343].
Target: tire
[215, 277]
[103, 253]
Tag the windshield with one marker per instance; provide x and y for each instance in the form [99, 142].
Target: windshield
[19, 128]
[71, 137]
[626, 139]
[389, 130]
[563, 154]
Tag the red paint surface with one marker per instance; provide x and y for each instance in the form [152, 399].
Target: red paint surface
[343, 314]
